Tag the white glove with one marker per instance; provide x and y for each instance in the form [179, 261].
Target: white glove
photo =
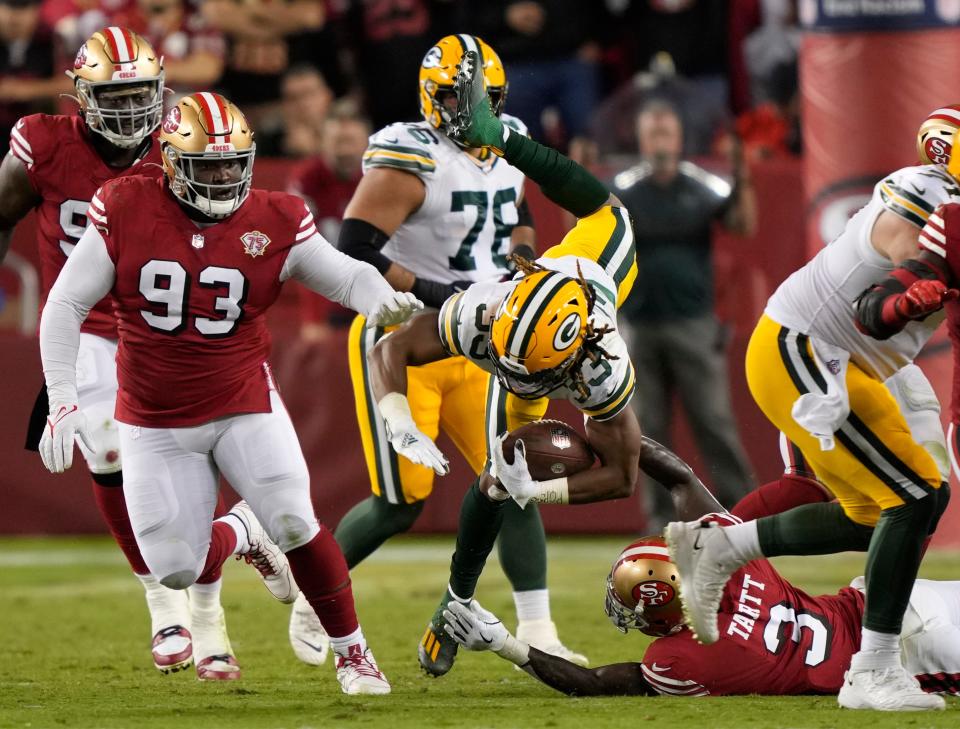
[395, 309]
[515, 478]
[474, 627]
[407, 439]
[64, 424]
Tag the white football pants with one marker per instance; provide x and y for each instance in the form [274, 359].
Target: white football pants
[930, 637]
[170, 481]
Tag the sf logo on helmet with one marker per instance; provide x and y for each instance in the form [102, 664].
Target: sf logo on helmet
[653, 593]
[938, 151]
[567, 333]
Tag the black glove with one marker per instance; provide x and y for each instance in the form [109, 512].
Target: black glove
[434, 293]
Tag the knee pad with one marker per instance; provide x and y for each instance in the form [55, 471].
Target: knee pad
[106, 437]
[179, 580]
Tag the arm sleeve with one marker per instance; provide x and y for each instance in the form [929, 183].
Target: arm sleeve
[86, 278]
[322, 268]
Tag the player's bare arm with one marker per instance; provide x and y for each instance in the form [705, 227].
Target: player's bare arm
[414, 343]
[17, 198]
[690, 497]
[478, 629]
[894, 237]
[384, 199]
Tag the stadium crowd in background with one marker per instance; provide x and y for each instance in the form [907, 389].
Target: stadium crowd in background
[315, 77]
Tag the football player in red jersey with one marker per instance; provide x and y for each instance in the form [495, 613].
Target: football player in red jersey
[775, 639]
[193, 261]
[55, 165]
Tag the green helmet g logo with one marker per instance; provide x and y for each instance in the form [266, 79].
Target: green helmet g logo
[567, 332]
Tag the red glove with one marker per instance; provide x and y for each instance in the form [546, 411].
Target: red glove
[923, 298]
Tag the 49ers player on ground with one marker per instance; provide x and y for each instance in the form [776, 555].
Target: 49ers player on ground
[193, 261]
[55, 165]
[775, 639]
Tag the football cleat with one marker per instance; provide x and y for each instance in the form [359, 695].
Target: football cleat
[437, 650]
[308, 639]
[542, 635]
[358, 673]
[702, 554]
[264, 554]
[215, 660]
[885, 689]
[218, 668]
[172, 649]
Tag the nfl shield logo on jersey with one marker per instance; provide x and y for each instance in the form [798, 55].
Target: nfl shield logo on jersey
[254, 243]
[197, 241]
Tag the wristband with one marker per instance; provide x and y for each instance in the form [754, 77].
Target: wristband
[554, 491]
[395, 409]
[515, 651]
[432, 293]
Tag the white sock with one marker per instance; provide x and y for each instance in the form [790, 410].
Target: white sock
[243, 543]
[167, 607]
[341, 646]
[532, 605]
[744, 541]
[205, 599]
[874, 642]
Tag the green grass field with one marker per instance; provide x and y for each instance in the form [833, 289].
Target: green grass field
[74, 650]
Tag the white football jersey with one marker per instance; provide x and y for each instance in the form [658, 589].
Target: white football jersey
[818, 299]
[462, 230]
[465, 327]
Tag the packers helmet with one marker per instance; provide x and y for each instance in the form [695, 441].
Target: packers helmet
[538, 331]
[438, 71]
[934, 138]
[205, 132]
[643, 590]
[118, 77]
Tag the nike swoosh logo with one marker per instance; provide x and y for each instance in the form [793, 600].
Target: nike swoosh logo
[659, 669]
[390, 141]
[485, 638]
[696, 542]
[317, 648]
[918, 190]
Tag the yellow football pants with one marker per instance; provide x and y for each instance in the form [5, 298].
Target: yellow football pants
[453, 395]
[875, 463]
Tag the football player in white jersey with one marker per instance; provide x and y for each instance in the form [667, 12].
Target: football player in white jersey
[550, 333]
[434, 216]
[820, 380]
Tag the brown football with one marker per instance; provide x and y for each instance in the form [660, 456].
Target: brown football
[553, 449]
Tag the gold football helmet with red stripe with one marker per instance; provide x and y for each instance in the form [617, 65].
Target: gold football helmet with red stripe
[438, 71]
[208, 149]
[643, 590]
[118, 77]
[935, 136]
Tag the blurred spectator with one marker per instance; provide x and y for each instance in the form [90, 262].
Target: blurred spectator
[677, 344]
[327, 183]
[305, 102]
[387, 40]
[29, 81]
[549, 50]
[613, 123]
[772, 47]
[772, 129]
[193, 52]
[258, 33]
[73, 21]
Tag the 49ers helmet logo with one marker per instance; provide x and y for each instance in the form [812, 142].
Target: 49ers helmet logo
[938, 150]
[653, 593]
[81, 58]
[254, 243]
[172, 121]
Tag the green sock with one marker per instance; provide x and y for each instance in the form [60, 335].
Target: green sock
[522, 547]
[812, 529]
[560, 178]
[370, 523]
[479, 524]
[893, 560]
